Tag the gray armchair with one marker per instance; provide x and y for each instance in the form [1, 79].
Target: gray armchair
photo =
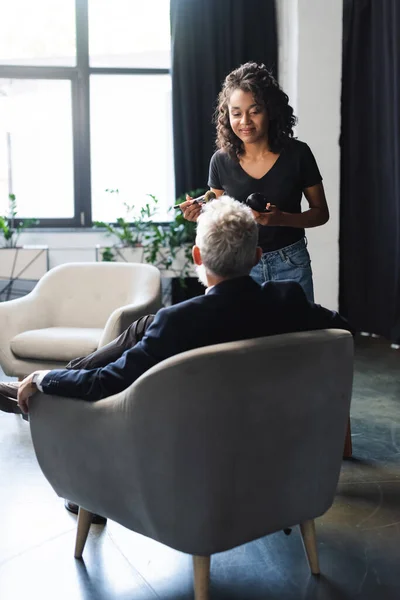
[74, 309]
[191, 457]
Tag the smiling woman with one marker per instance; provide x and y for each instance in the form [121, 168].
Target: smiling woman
[258, 154]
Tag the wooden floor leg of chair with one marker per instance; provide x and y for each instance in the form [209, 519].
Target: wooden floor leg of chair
[310, 545]
[201, 575]
[84, 522]
[348, 446]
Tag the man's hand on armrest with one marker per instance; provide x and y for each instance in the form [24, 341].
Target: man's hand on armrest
[28, 387]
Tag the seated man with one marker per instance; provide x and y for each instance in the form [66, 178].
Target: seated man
[233, 308]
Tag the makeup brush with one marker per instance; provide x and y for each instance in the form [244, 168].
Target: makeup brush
[201, 199]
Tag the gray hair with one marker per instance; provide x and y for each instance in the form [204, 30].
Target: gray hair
[227, 236]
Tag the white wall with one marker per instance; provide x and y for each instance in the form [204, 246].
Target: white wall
[310, 34]
[68, 246]
[310, 54]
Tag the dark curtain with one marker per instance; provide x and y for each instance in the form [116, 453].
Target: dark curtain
[209, 39]
[370, 167]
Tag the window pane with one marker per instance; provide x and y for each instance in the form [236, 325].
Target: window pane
[36, 157]
[129, 33]
[37, 32]
[131, 141]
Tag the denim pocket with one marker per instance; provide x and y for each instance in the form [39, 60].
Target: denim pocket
[298, 260]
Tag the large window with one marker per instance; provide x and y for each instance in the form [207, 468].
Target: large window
[85, 106]
[36, 155]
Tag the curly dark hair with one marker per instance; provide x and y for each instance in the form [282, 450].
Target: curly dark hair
[257, 79]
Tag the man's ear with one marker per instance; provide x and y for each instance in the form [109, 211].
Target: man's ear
[258, 255]
[196, 254]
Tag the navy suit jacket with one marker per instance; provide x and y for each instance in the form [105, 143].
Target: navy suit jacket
[235, 309]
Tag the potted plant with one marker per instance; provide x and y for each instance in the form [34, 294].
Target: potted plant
[169, 247]
[131, 230]
[18, 263]
[10, 228]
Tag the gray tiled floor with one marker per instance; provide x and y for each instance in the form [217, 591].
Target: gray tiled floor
[359, 538]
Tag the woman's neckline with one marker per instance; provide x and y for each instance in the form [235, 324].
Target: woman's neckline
[266, 173]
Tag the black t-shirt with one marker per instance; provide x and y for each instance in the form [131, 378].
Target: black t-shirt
[283, 185]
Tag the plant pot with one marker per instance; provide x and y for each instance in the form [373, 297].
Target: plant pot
[182, 290]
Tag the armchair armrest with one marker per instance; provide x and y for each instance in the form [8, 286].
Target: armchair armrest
[16, 316]
[124, 316]
[78, 460]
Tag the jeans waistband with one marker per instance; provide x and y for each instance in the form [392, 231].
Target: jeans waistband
[287, 249]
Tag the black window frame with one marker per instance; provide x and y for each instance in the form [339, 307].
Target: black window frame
[79, 76]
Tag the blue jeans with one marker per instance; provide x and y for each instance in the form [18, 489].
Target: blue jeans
[292, 262]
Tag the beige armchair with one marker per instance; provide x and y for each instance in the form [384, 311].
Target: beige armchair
[191, 457]
[74, 309]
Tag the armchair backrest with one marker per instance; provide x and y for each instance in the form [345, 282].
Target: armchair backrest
[85, 294]
[235, 441]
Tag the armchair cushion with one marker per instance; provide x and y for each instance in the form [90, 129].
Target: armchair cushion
[56, 343]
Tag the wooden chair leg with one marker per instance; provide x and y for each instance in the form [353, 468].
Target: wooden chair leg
[310, 545]
[348, 446]
[201, 573]
[84, 522]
